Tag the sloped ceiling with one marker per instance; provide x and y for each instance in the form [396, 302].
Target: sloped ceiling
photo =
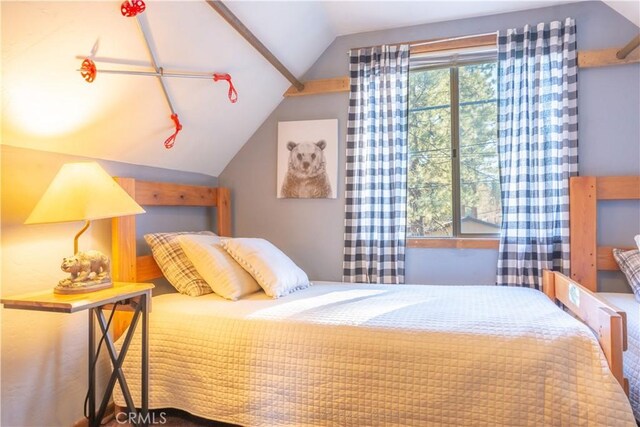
[47, 106]
[357, 16]
[630, 9]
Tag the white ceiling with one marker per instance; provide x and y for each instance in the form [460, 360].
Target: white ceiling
[630, 9]
[349, 17]
[47, 106]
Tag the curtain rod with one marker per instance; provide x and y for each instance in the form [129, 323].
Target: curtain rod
[484, 37]
[427, 42]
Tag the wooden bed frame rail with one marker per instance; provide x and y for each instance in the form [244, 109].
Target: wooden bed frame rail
[607, 321]
[584, 194]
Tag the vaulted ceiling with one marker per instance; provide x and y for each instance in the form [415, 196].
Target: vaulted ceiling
[46, 105]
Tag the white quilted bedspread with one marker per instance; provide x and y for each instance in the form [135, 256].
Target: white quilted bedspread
[378, 355]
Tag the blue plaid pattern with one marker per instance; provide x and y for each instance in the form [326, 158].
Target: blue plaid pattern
[538, 148]
[376, 176]
[629, 263]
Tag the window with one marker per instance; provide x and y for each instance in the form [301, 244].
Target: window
[453, 181]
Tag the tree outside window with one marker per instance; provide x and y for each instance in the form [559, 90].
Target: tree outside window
[454, 184]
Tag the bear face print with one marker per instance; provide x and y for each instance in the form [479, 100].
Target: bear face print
[306, 174]
[306, 158]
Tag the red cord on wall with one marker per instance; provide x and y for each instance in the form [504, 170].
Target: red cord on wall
[233, 94]
[172, 139]
[132, 8]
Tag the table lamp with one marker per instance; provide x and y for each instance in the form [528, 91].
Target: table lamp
[83, 192]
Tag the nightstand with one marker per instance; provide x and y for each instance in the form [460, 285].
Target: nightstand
[131, 296]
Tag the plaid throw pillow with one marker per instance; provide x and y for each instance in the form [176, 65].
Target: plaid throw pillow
[629, 262]
[175, 265]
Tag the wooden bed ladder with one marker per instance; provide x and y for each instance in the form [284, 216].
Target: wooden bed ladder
[578, 293]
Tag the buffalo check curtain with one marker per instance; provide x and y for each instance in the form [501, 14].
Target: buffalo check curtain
[376, 175]
[538, 148]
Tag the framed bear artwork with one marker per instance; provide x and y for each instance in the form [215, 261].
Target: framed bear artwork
[308, 159]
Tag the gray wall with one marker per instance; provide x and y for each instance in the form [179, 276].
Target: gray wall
[311, 231]
[43, 357]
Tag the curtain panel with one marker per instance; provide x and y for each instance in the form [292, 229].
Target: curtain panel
[538, 148]
[376, 170]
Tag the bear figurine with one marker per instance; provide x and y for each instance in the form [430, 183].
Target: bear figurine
[85, 267]
[306, 176]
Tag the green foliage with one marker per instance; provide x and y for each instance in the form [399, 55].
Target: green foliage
[430, 186]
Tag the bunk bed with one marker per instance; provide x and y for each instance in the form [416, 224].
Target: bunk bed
[587, 258]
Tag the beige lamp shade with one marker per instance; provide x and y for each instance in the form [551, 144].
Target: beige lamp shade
[82, 191]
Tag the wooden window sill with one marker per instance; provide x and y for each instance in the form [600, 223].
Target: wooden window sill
[454, 243]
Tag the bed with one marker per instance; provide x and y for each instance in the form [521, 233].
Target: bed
[337, 354]
[587, 258]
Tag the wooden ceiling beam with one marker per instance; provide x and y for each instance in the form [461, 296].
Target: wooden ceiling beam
[315, 87]
[605, 58]
[237, 25]
[632, 45]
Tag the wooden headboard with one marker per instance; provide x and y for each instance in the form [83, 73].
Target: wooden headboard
[584, 194]
[127, 267]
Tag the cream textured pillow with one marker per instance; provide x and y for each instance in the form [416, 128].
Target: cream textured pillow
[273, 270]
[174, 263]
[223, 274]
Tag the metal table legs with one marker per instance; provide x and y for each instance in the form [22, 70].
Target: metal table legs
[141, 417]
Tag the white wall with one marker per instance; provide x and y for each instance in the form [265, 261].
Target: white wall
[44, 356]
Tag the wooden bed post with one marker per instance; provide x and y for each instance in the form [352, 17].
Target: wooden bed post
[123, 254]
[549, 284]
[582, 220]
[123, 247]
[612, 331]
[224, 211]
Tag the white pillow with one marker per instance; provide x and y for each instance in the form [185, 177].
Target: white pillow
[274, 271]
[637, 239]
[225, 276]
